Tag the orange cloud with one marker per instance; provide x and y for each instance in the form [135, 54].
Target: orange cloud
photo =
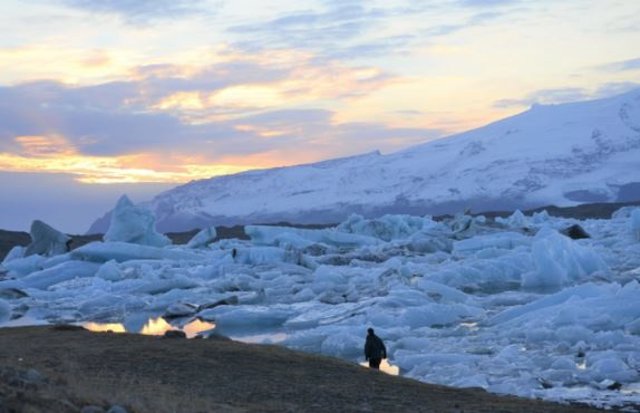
[53, 154]
[263, 131]
[304, 83]
[76, 66]
[44, 146]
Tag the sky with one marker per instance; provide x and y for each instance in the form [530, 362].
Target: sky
[104, 97]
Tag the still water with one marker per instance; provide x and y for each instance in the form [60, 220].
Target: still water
[158, 326]
[153, 327]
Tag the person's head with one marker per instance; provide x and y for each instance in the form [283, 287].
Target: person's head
[370, 331]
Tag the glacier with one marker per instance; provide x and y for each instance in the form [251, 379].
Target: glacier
[561, 155]
[510, 305]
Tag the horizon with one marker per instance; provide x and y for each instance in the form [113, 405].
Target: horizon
[105, 98]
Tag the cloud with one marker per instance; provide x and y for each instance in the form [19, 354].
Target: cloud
[172, 123]
[615, 88]
[463, 23]
[621, 66]
[566, 95]
[310, 29]
[546, 96]
[341, 29]
[486, 3]
[362, 29]
[140, 11]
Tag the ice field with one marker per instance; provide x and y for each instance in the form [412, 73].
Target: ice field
[510, 305]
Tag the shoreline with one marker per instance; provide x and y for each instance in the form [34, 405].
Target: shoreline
[157, 374]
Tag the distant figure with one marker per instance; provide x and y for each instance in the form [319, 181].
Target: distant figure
[374, 349]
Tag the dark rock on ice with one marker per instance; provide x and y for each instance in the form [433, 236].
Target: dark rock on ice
[614, 386]
[575, 232]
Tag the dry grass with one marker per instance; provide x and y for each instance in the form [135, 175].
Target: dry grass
[151, 374]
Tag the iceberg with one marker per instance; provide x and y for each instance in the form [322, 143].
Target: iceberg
[203, 238]
[559, 260]
[46, 241]
[387, 227]
[134, 224]
[123, 251]
[63, 272]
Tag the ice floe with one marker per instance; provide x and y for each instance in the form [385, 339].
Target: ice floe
[512, 305]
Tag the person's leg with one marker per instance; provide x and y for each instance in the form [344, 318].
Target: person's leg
[374, 363]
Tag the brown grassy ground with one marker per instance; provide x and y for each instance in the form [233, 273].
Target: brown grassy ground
[153, 374]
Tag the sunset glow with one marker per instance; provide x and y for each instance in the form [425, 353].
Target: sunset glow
[153, 327]
[54, 155]
[216, 89]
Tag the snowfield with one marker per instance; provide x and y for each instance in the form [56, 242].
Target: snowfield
[511, 305]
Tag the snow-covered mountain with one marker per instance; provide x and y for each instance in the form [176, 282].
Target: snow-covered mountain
[551, 154]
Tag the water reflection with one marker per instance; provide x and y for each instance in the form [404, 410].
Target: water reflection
[105, 327]
[153, 327]
[271, 338]
[196, 327]
[158, 326]
[386, 367]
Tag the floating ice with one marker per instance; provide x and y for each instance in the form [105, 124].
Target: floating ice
[623, 213]
[559, 260]
[134, 224]
[59, 273]
[230, 319]
[14, 253]
[467, 302]
[272, 235]
[270, 255]
[19, 266]
[203, 238]
[387, 227]
[122, 251]
[46, 241]
[503, 240]
[635, 223]
[515, 220]
[110, 271]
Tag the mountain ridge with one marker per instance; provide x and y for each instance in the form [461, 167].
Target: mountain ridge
[564, 155]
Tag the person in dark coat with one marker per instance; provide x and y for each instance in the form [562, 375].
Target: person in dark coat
[374, 349]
